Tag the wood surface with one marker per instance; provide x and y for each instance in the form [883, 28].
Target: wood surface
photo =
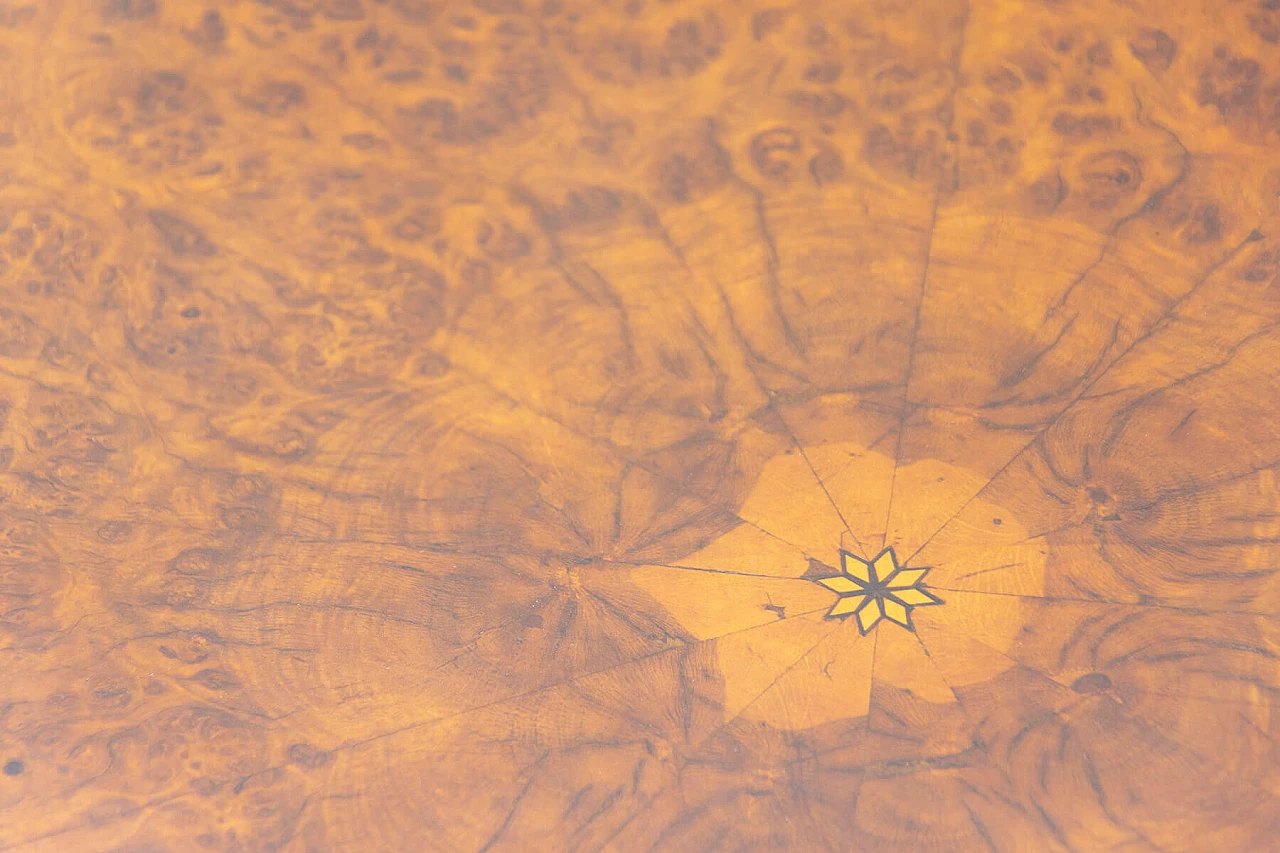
[425, 424]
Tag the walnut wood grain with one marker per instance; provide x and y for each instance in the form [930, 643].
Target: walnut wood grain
[424, 424]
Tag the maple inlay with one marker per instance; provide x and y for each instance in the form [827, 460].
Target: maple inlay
[871, 590]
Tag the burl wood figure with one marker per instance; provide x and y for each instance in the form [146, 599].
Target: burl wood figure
[629, 425]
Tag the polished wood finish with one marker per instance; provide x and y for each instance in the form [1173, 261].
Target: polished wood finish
[426, 425]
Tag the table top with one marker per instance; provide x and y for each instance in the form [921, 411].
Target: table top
[569, 425]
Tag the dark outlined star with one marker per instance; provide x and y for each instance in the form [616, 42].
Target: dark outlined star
[877, 589]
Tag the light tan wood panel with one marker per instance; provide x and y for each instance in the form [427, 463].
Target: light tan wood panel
[478, 425]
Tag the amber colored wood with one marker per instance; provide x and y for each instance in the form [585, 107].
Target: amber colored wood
[424, 424]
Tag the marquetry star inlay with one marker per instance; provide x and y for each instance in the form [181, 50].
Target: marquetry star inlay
[871, 590]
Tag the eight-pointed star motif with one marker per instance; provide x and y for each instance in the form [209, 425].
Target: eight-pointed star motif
[877, 589]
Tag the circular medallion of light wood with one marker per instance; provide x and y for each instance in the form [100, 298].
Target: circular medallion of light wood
[474, 425]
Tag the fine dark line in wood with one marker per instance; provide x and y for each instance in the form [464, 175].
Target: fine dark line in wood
[957, 59]
[1151, 330]
[1111, 603]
